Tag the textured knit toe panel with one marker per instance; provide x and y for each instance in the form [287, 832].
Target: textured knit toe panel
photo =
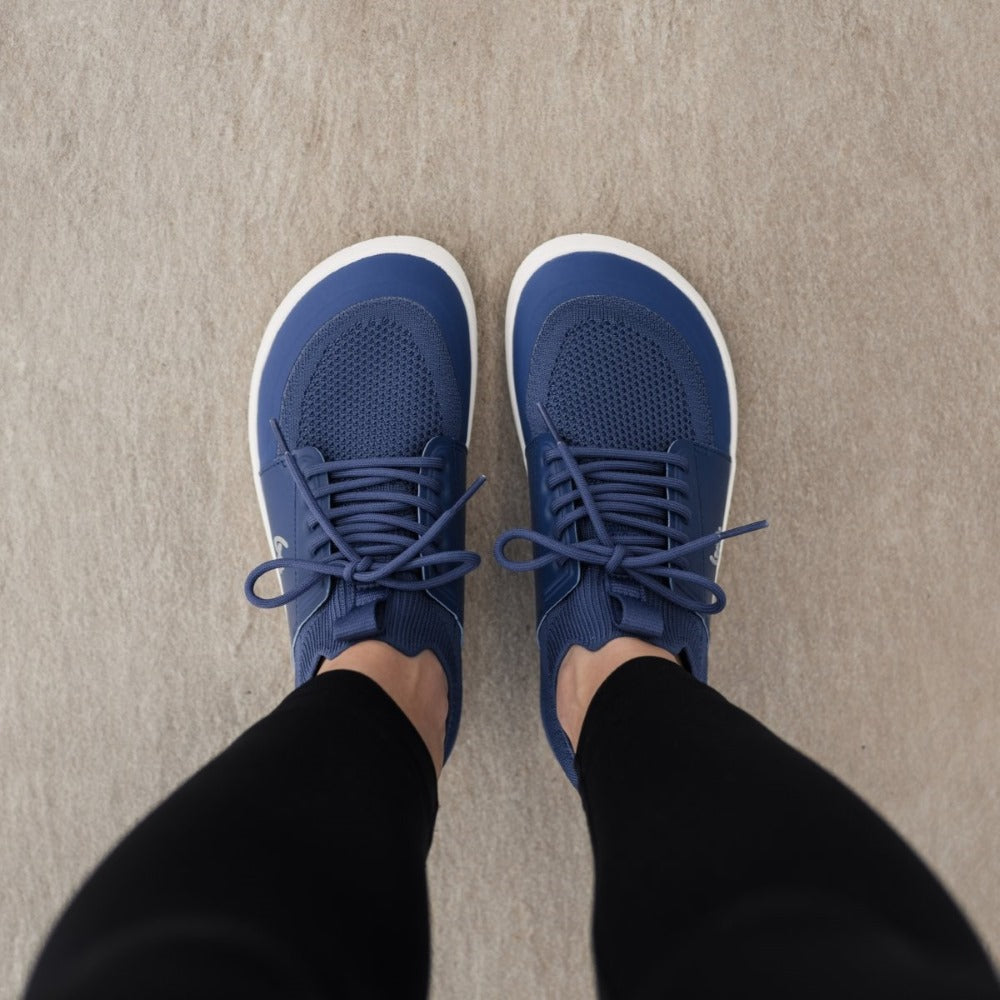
[383, 349]
[613, 374]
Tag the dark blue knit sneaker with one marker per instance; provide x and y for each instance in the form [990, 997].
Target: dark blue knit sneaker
[360, 413]
[625, 404]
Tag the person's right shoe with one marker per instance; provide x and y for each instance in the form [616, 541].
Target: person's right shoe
[625, 403]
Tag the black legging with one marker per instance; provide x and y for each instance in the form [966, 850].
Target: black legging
[727, 864]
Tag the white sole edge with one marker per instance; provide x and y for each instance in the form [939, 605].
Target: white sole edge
[411, 246]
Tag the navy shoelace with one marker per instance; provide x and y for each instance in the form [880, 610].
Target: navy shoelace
[626, 498]
[370, 531]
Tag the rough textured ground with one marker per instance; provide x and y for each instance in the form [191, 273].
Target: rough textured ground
[825, 174]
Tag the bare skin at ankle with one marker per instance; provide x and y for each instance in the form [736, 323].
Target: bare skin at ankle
[583, 671]
[417, 684]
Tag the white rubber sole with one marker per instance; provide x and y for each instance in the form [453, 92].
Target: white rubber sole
[412, 246]
[591, 243]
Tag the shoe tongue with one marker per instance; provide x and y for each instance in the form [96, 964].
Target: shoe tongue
[586, 529]
[587, 532]
[308, 458]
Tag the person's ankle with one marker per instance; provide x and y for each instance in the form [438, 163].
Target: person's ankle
[583, 671]
[417, 684]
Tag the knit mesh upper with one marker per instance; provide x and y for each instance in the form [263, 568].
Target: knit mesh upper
[383, 349]
[613, 374]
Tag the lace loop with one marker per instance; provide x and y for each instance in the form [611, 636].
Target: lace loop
[370, 518]
[631, 492]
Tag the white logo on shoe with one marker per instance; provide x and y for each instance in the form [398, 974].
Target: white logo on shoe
[716, 552]
[279, 546]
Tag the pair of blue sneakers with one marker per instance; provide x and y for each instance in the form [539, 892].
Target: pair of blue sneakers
[360, 414]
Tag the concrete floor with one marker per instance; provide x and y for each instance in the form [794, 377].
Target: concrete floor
[825, 174]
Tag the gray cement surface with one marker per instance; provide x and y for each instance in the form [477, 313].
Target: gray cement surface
[826, 174]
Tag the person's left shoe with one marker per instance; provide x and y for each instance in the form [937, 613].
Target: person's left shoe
[625, 404]
[360, 413]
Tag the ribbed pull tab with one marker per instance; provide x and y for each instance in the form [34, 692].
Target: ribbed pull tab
[362, 620]
[630, 612]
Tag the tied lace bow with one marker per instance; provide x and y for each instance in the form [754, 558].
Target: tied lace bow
[370, 527]
[634, 492]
